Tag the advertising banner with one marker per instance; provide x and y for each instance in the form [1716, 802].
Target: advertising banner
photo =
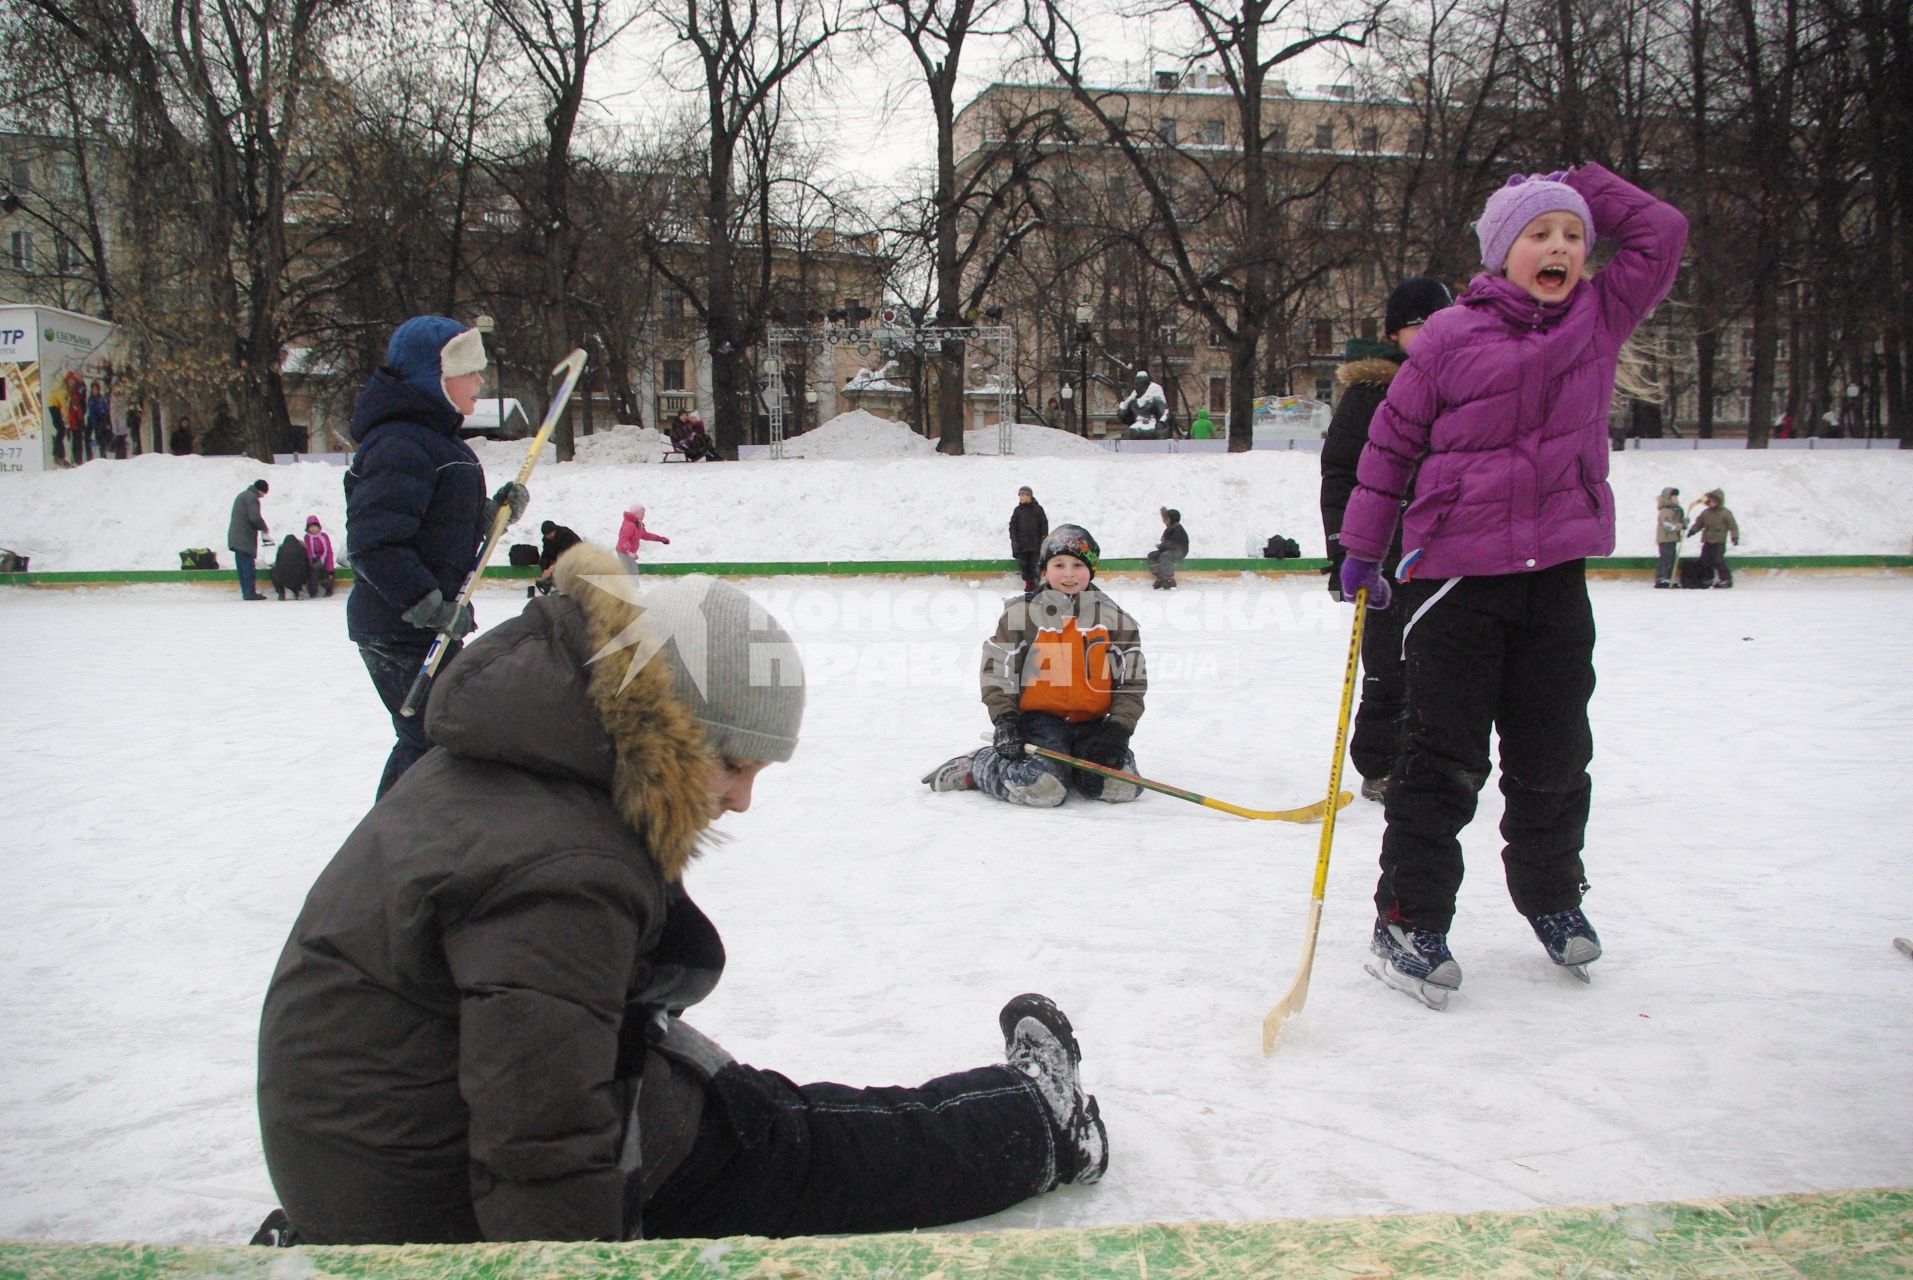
[49, 359]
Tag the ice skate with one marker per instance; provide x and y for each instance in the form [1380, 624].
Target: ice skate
[951, 775]
[1570, 940]
[1415, 962]
[1039, 1043]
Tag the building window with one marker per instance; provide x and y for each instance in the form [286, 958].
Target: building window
[1371, 138]
[1218, 395]
[21, 175]
[1323, 336]
[1166, 130]
[1325, 137]
[672, 373]
[1209, 133]
[20, 251]
[1279, 137]
[1217, 341]
[1167, 81]
[1417, 140]
[1324, 390]
[1369, 327]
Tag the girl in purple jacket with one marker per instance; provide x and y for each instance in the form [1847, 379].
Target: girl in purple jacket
[1492, 452]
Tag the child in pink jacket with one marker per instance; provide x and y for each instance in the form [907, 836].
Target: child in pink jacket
[633, 534]
[319, 562]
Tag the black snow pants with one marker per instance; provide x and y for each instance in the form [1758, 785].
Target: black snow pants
[1377, 736]
[1515, 654]
[1713, 565]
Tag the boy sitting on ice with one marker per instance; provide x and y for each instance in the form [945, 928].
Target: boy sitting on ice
[1063, 671]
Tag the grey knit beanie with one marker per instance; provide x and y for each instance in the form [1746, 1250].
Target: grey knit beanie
[734, 666]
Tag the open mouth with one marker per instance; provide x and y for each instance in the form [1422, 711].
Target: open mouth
[1552, 277]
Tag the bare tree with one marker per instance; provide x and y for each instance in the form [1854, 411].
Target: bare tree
[1229, 257]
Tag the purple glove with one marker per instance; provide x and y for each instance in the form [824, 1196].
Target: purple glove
[1364, 575]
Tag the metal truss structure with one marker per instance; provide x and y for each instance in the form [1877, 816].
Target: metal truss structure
[990, 352]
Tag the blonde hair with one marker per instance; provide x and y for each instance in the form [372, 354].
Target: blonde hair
[1634, 371]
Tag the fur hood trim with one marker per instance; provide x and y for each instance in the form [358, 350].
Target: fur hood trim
[1372, 369]
[660, 779]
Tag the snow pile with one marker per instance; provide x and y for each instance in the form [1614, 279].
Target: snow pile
[869, 489]
[618, 445]
[859, 434]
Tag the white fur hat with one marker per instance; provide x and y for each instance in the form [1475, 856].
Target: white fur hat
[464, 354]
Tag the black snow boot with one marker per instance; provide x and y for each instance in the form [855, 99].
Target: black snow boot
[1039, 1044]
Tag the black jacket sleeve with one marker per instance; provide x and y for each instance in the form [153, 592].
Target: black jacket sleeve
[1341, 452]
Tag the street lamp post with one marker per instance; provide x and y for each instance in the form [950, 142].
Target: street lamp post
[1084, 316]
[485, 326]
[1068, 393]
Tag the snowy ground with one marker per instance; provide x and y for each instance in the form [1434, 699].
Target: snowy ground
[185, 764]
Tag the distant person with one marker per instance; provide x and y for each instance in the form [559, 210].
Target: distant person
[56, 417]
[1170, 552]
[632, 535]
[415, 514]
[79, 446]
[243, 532]
[1670, 519]
[1368, 368]
[320, 565]
[1029, 525]
[99, 418]
[689, 438]
[554, 540]
[179, 442]
[1499, 422]
[1063, 670]
[1715, 524]
[476, 1030]
[1202, 427]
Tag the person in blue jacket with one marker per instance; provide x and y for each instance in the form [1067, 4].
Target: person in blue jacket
[415, 513]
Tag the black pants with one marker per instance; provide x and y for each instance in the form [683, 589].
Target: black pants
[393, 666]
[1512, 653]
[1664, 565]
[1031, 570]
[1377, 737]
[773, 1158]
[1162, 566]
[1713, 565]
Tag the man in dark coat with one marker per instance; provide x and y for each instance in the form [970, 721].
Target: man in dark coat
[1028, 527]
[243, 530]
[415, 513]
[554, 540]
[1364, 377]
[452, 1045]
[1170, 552]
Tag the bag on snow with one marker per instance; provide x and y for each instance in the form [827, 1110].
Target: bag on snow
[1693, 575]
[522, 554]
[198, 558]
[1281, 548]
[12, 561]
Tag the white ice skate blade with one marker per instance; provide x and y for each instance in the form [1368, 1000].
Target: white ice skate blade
[1580, 971]
[1905, 945]
[1434, 997]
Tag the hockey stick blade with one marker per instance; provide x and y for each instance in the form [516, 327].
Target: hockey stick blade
[1306, 813]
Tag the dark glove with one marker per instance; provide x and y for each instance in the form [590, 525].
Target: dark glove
[1365, 575]
[1334, 572]
[665, 541]
[436, 613]
[1106, 744]
[510, 494]
[1008, 739]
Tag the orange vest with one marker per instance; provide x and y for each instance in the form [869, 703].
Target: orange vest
[1067, 673]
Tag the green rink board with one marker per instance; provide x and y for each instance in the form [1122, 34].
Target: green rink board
[1618, 565]
[1841, 1235]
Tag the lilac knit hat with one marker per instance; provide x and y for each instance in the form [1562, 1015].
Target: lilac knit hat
[1520, 202]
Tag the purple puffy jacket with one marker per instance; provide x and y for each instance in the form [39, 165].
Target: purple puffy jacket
[1499, 419]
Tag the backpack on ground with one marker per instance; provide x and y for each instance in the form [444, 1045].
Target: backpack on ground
[12, 561]
[522, 554]
[198, 558]
[1281, 548]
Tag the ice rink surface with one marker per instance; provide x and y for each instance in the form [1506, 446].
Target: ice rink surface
[184, 764]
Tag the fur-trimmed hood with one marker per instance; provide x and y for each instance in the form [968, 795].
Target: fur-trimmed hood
[529, 694]
[1377, 371]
